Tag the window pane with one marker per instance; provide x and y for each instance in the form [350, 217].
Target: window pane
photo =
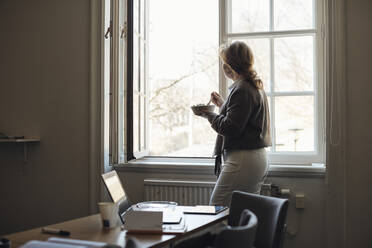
[183, 71]
[294, 123]
[261, 54]
[142, 46]
[294, 63]
[269, 149]
[142, 67]
[136, 20]
[136, 63]
[293, 14]
[249, 16]
[142, 123]
[142, 20]
[135, 122]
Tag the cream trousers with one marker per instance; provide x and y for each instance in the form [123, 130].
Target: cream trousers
[243, 170]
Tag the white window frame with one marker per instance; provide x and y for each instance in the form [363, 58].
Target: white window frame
[118, 121]
[318, 32]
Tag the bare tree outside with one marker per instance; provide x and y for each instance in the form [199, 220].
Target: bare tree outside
[183, 70]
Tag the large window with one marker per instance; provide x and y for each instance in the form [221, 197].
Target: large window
[171, 63]
[287, 41]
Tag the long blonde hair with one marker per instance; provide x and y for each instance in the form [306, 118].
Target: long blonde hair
[239, 57]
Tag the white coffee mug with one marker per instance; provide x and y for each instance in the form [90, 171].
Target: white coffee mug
[109, 214]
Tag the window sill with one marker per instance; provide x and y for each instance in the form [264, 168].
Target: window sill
[205, 166]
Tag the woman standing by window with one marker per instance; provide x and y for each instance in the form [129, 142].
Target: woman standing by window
[243, 127]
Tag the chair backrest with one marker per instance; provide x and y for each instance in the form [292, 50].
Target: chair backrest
[241, 236]
[271, 214]
[132, 243]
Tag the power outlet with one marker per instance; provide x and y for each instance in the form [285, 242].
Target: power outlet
[300, 201]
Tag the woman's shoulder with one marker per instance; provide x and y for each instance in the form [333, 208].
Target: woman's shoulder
[247, 88]
[246, 85]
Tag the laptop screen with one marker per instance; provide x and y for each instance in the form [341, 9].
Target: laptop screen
[116, 191]
[114, 187]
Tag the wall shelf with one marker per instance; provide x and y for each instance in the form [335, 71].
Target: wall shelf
[25, 144]
[19, 140]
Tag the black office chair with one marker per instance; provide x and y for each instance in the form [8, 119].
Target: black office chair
[132, 243]
[240, 236]
[271, 214]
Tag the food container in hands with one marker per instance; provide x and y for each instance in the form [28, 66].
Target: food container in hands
[202, 108]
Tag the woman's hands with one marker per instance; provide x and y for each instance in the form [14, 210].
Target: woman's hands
[217, 99]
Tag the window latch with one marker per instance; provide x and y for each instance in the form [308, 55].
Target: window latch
[109, 31]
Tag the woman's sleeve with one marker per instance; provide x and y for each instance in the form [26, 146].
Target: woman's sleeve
[238, 111]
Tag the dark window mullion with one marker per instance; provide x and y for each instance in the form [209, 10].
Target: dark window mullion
[130, 154]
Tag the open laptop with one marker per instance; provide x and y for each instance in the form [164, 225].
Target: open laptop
[118, 195]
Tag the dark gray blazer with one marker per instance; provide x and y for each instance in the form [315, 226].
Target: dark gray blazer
[244, 120]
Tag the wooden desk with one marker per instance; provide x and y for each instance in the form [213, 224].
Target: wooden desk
[90, 228]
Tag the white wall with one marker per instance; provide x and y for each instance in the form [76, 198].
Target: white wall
[359, 116]
[44, 70]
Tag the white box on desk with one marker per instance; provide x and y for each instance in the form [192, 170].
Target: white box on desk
[139, 220]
